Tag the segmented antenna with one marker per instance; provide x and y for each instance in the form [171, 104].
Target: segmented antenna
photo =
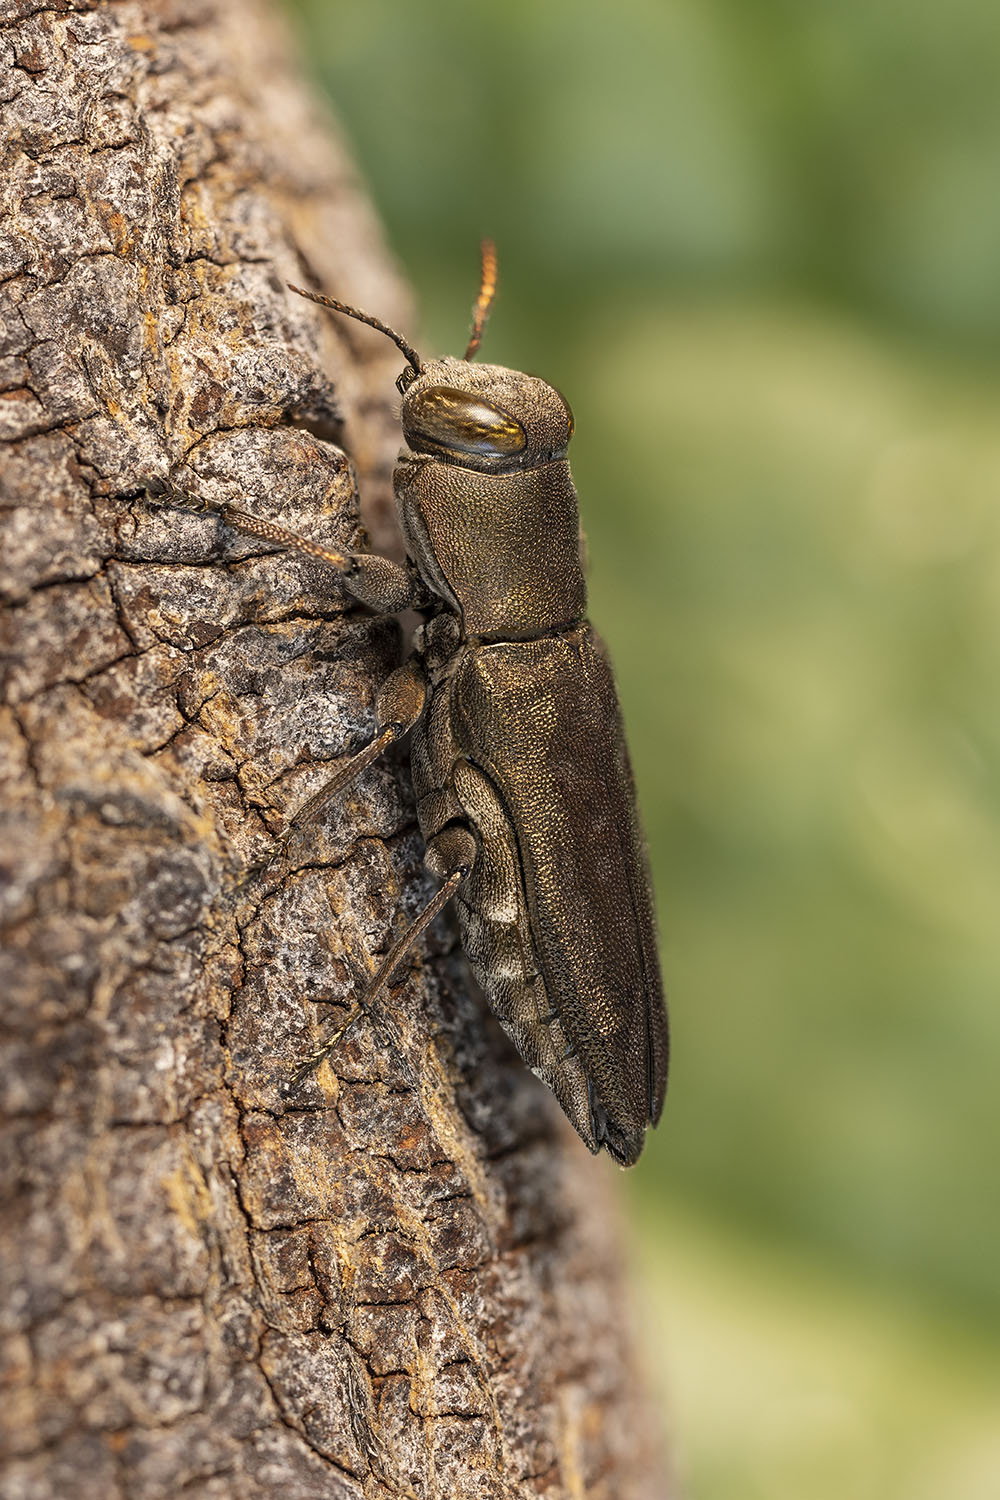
[487, 291]
[409, 353]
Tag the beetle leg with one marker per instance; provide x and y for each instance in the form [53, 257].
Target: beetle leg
[455, 846]
[398, 706]
[378, 582]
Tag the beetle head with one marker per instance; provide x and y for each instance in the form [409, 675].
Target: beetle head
[484, 417]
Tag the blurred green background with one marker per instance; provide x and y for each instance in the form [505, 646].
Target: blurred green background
[757, 243]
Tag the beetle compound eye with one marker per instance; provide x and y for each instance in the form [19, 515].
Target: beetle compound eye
[441, 419]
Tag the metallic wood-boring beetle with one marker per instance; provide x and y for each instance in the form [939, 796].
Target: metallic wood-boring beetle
[519, 764]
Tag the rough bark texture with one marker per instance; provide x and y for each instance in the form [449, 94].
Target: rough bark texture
[406, 1281]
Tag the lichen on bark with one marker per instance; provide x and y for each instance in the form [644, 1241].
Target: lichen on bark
[404, 1279]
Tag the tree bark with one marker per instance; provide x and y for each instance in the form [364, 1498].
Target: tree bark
[403, 1278]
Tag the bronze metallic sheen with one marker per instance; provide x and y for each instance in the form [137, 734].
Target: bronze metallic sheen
[519, 760]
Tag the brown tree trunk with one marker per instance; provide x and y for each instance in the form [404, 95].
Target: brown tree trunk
[402, 1279]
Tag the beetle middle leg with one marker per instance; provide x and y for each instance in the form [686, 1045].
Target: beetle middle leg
[398, 705]
[450, 853]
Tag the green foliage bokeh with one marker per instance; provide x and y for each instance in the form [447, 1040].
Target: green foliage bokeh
[757, 243]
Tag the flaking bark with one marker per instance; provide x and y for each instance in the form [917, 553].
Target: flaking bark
[402, 1280]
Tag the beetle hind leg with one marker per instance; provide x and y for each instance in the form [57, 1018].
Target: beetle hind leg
[453, 848]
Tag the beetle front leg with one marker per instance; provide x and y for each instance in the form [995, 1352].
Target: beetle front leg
[378, 582]
[453, 851]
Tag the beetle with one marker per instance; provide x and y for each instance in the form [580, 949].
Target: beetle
[518, 758]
